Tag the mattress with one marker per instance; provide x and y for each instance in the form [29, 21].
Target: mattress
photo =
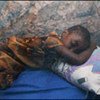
[41, 84]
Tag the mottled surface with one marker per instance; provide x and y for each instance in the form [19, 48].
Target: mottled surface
[41, 17]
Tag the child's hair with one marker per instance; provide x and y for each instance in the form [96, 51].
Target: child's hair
[81, 31]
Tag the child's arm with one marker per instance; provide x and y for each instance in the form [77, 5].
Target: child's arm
[76, 59]
[53, 41]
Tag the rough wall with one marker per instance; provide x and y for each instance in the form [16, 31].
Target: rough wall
[41, 17]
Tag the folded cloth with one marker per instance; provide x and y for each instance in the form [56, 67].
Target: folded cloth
[86, 76]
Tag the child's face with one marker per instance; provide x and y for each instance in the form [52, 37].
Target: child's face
[72, 41]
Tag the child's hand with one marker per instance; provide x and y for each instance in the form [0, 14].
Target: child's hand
[53, 40]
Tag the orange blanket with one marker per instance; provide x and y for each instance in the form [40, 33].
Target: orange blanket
[17, 52]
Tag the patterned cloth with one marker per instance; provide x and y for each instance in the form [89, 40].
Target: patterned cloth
[86, 76]
[18, 52]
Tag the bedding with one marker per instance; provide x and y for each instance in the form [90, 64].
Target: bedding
[86, 76]
[44, 84]
[41, 84]
[17, 52]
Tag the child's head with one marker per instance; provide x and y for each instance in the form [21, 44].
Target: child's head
[76, 38]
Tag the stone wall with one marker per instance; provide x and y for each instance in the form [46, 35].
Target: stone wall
[41, 17]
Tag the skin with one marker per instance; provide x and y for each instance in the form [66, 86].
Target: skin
[72, 44]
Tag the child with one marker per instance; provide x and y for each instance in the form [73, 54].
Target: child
[77, 46]
[73, 44]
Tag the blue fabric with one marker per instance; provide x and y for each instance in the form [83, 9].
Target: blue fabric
[41, 84]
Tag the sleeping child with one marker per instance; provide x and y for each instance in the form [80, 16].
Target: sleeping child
[73, 44]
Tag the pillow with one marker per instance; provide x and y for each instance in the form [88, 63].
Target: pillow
[86, 76]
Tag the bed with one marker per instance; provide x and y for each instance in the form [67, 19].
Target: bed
[41, 84]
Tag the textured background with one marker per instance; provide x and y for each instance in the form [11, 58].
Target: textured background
[41, 17]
